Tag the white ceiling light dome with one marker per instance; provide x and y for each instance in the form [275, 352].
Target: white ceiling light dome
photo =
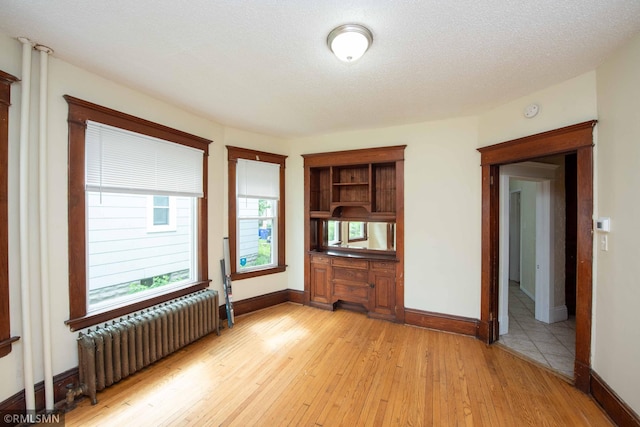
[349, 41]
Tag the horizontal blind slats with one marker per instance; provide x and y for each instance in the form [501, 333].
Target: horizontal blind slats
[258, 179]
[124, 161]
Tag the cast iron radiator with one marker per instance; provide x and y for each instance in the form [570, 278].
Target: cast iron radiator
[113, 352]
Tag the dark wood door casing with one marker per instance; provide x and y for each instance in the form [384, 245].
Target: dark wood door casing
[577, 139]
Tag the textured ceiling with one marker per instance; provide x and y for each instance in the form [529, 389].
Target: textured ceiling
[263, 65]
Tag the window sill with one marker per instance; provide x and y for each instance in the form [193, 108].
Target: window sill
[257, 273]
[5, 345]
[113, 313]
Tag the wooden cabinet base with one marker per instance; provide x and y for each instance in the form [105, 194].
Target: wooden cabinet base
[358, 284]
[321, 305]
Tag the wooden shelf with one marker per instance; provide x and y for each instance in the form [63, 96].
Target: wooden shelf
[349, 183]
[383, 216]
[320, 214]
[371, 186]
[352, 203]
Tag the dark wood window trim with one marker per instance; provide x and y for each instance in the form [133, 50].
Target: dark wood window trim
[79, 112]
[571, 139]
[5, 316]
[235, 153]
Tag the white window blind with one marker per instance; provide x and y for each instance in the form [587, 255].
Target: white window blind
[121, 161]
[258, 179]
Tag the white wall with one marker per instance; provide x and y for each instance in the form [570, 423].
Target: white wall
[564, 104]
[442, 209]
[64, 79]
[617, 291]
[528, 234]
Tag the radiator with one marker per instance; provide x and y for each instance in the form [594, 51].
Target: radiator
[117, 350]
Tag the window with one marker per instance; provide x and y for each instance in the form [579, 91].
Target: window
[137, 213]
[5, 317]
[161, 214]
[256, 212]
[333, 232]
[160, 210]
[257, 237]
[357, 231]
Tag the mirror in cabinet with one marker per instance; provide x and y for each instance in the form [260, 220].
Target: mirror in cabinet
[359, 235]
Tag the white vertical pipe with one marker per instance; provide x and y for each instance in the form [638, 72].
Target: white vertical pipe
[44, 229]
[27, 356]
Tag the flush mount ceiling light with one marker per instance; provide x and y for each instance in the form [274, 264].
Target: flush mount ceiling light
[349, 41]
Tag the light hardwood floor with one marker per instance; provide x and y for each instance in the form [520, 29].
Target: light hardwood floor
[296, 365]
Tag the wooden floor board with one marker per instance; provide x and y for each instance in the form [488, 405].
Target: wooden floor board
[301, 366]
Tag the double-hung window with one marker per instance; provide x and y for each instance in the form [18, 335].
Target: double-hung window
[258, 191]
[256, 212]
[161, 213]
[140, 226]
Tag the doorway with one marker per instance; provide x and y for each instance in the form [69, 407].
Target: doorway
[576, 139]
[533, 317]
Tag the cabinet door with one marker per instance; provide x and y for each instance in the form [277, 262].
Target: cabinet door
[382, 298]
[319, 282]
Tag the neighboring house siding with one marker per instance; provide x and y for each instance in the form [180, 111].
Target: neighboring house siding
[123, 249]
[248, 232]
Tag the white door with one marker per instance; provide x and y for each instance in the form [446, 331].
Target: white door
[514, 236]
[544, 252]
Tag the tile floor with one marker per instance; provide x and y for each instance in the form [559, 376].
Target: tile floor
[552, 344]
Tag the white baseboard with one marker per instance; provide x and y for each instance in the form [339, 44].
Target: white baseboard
[527, 293]
[504, 325]
[558, 314]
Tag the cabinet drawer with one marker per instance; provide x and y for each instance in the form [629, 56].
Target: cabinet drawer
[319, 259]
[351, 263]
[351, 293]
[383, 265]
[350, 274]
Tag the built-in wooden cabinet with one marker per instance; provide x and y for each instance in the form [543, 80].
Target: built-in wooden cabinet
[335, 278]
[363, 186]
[383, 278]
[350, 282]
[320, 277]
